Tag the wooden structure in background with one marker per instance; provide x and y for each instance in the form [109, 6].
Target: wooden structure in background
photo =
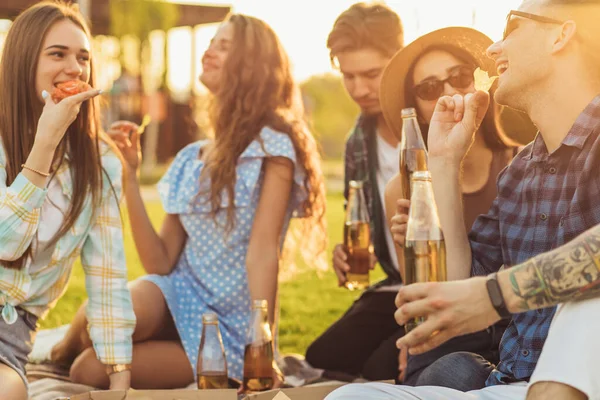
[189, 15]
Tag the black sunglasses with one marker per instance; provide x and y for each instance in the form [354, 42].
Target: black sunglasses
[460, 77]
[538, 18]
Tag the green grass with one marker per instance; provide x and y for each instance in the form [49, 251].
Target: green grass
[309, 303]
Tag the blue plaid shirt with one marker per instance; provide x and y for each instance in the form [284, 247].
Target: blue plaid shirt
[544, 200]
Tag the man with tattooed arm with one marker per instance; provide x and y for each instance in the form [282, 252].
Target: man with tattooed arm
[569, 274]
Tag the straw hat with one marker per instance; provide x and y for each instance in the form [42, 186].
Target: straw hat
[475, 43]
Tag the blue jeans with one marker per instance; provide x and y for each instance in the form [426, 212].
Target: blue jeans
[462, 363]
[462, 371]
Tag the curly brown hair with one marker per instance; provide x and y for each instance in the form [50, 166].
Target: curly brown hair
[259, 91]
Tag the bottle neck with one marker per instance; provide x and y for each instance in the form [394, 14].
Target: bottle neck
[211, 332]
[211, 355]
[423, 219]
[356, 209]
[412, 137]
[260, 329]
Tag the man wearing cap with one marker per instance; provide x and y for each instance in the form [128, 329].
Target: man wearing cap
[362, 342]
[548, 62]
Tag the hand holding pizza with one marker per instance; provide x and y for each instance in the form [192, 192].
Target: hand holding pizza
[61, 109]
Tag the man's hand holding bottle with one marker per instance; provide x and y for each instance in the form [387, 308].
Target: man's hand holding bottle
[340, 263]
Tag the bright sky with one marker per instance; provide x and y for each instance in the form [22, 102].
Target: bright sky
[303, 26]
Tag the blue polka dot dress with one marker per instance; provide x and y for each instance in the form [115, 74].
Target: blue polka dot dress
[210, 275]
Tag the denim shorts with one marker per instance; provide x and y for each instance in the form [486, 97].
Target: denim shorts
[16, 341]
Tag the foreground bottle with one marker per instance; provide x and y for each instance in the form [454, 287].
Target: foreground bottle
[258, 355]
[212, 364]
[357, 238]
[424, 248]
[413, 154]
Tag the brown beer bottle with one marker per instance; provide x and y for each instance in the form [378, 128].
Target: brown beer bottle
[413, 154]
[357, 238]
[424, 248]
[258, 354]
[212, 364]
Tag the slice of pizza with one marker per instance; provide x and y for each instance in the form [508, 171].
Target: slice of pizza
[482, 80]
[65, 89]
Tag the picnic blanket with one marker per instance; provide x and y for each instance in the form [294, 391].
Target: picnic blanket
[52, 389]
[50, 381]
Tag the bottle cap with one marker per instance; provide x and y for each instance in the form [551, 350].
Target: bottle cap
[259, 304]
[409, 112]
[210, 318]
[356, 184]
[421, 176]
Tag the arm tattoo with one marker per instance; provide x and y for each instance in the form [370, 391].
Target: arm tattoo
[570, 272]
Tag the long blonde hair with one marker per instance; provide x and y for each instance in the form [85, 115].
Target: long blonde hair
[259, 91]
[20, 110]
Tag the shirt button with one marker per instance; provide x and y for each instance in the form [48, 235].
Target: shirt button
[552, 170]
[543, 217]
[525, 353]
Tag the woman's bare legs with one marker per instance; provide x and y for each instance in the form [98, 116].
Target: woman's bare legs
[157, 364]
[13, 387]
[156, 344]
[154, 321]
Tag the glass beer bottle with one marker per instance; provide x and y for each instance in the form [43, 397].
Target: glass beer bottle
[357, 238]
[212, 364]
[413, 154]
[424, 248]
[258, 354]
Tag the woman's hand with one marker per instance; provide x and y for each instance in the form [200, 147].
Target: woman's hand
[120, 380]
[57, 117]
[399, 221]
[278, 377]
[125, 134]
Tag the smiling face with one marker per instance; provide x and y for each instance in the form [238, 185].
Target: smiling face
[362, 70]
[523, 58]
[215, 56]
[65, 56]
[438, 65]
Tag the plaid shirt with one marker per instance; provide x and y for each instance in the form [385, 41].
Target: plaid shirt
[356, 159]
[544, 200]
[99, 242]
[361, 163]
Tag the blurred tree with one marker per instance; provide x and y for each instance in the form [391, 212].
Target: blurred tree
[331, 111]
[138, 18]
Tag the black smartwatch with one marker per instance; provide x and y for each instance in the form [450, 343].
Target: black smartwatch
[495, 293]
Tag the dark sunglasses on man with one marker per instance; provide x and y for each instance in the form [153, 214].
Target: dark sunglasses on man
[460, 77]
[512, 24]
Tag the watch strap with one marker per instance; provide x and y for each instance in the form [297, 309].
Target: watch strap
[496, 297]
